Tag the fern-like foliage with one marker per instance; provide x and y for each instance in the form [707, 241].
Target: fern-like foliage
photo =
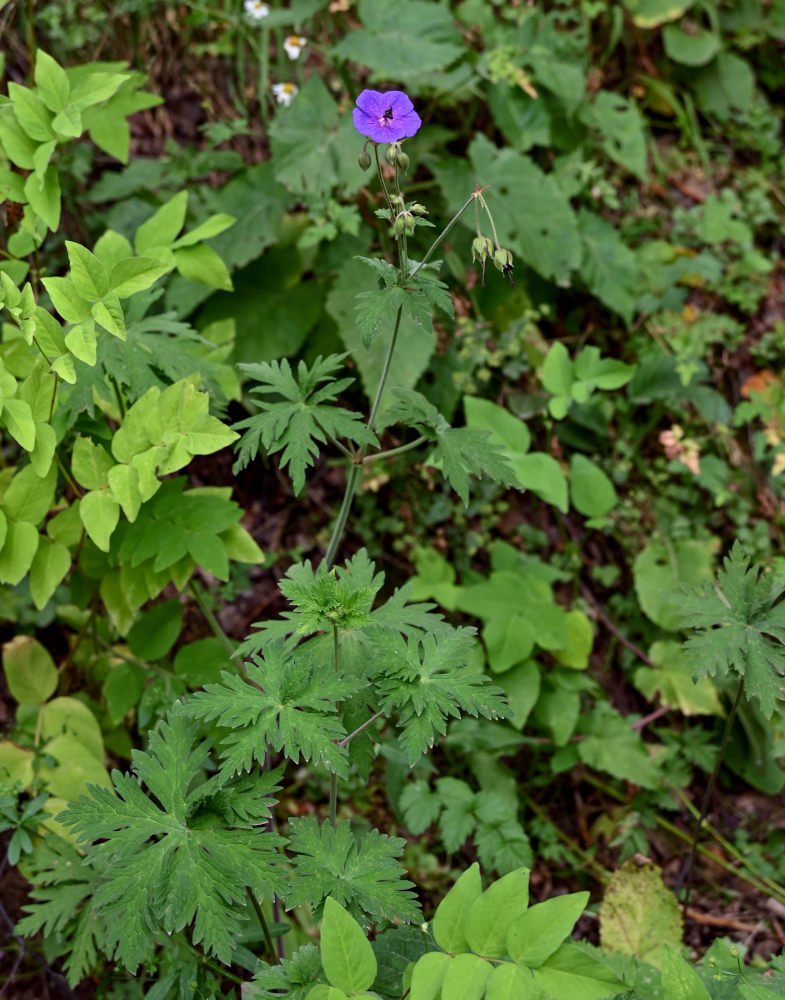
[302, 416]
[363, 875]
[287, 701]
[459, 451]
[180, 853]
[741, 629]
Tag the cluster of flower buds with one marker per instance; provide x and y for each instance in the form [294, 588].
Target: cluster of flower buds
[483, 250]
[397, 157]
[404, 223]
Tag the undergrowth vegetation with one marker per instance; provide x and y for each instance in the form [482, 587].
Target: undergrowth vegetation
[392, 427]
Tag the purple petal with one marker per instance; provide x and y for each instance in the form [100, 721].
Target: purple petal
[371, 102]
[400, 103]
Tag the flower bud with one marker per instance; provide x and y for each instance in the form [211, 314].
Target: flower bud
[403, 160]
[392, 153]
[404, 223]
[481, 248]
[502, 258]
[419, 209]
[364, 159]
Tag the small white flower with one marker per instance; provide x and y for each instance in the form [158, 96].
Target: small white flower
[284, 92]
[256, 9]
[294, 45]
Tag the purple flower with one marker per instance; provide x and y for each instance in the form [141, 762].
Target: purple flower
[385, 117]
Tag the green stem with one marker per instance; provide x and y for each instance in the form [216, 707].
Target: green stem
[686, 872]
[31, 38]
[368, 722]
[381, 181]
[443, 233]
[265, 929]
[354, 471]
[212, 621]
[490, 219]
[334, 776]
[395, 451]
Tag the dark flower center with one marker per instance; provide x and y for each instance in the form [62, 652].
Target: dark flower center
[388, 114]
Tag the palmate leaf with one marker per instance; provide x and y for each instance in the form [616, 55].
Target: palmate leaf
[287, 703]
[741, 628]
[175, 855]
[63, 905]
[459, 451]
[345, 599]
[303, 419]
[426, 681]
[364, 875]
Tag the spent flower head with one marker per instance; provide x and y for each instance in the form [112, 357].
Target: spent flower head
[256, 9]
[284, 93]
[294, 45]
[385, 117]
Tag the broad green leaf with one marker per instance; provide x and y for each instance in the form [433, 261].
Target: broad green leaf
[42, 455]
[510, 982]
[66, 299]
[30, 671]
[69, 715]
[466, 977]
[572, 973]
[240, 546]
[109, 313]
[202, 264]
[543, 475]
[201, 662]
[124, 484]
[428, 976]
[18, 419]
[451, 915]
[16, 764]
[658, 571]
[639, 916]
[521, 686]
[100, 513]
[51, 82]
[135, 274]
[29, 497]
[90, 463]
[681, 981]
[580, 641]
[122, 689]
[653, 13]
[44, 196]
[206, 230]
[609, 268]
[324, 992]
[612, 745]
[695, 46]
[491, 915]
[81, 341]
[401, 39]
[111, 248]
[155, 632]
[21, 544]
[538, 932]
[69, 121]
[347, 956]
[591, 491]
[671, 678]
[621, 130]
[161, 229]
[50, 565]
[16, 143]
[31, 112]
[76, 767]
[87, 272]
